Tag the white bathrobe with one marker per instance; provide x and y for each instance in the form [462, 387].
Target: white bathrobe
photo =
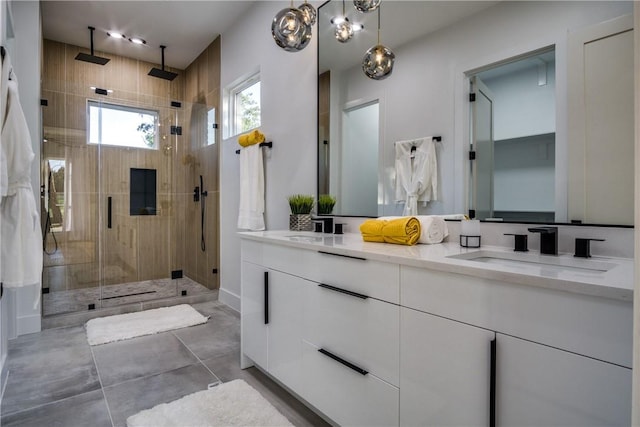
[250, 215]
[416, 173]
[21, 245]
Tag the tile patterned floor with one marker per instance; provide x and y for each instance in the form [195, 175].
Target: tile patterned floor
[75, 300]
[56, 379]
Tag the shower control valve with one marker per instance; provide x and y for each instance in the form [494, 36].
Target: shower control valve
[196, 194]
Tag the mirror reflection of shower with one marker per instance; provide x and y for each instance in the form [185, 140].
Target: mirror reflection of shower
[513, 126]
[53, 204]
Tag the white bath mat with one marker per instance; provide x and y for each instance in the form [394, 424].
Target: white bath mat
[235, 403]
[125, 326]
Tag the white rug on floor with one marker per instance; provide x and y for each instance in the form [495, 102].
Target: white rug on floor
[126, 326]
[235, 403]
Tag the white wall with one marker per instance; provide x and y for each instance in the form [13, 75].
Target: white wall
[425, 95]
[289, 119]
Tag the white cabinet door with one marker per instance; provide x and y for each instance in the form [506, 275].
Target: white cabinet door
[445, 371]
[253, 322]
[286, 302]
[543, 386]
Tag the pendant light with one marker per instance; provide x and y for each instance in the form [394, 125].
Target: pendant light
[344, 29]
[377, 63]
[366, 5]
[308, 12]
[290, 30]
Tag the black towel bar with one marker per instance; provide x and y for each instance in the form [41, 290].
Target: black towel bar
[262, 144]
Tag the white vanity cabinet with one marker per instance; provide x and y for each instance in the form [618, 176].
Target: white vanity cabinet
[272, 322]
[542, 386]
[539, 378]
[370, 339]
[326, 326]
[445, 371]
[351, 349]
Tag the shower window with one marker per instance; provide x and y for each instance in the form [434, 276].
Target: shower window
[244, 105]
[122, 126]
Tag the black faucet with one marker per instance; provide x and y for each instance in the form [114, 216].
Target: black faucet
[548, 239]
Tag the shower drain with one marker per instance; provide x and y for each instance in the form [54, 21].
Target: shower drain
[129, 295]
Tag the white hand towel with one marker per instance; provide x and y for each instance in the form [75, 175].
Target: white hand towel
[251, 212]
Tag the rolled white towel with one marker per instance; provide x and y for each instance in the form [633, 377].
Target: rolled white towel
[433, 228]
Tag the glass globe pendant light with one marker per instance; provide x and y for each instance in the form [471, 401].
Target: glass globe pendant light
[377, 63]
[290, 30]
[309, 13]
[344, 29]
[366, 5]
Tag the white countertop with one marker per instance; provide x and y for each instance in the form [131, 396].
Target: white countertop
[616, 283]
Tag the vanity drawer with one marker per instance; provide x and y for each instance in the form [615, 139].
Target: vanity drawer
[600, 328]
[346, 396]
[276, 257]
[357, 327]
[372, 278]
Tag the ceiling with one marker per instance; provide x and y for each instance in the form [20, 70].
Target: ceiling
[185, 27]
[401, 22]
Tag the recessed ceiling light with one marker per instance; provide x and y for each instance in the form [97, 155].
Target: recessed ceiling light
[137, 40]
[357, 27]
[116, 35]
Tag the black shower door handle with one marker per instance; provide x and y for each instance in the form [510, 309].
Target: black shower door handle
[109, 212]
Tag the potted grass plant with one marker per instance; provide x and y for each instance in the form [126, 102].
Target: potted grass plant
[326, 202]
[300, 218]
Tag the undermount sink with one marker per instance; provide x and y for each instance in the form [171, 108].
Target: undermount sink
[549, 262]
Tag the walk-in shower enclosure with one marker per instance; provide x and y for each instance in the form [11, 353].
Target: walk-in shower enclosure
[121, 154]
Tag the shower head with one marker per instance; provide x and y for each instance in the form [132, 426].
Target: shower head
[161, 73]
[91, 58]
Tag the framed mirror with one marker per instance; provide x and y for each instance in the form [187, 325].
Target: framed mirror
[440, 47]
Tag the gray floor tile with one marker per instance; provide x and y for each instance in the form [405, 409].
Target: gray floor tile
[129, 398]
[210, 307]
[28, 350]
[227, 368]
[126, 360]
[46, 367]
[220, 335]
[88, 409]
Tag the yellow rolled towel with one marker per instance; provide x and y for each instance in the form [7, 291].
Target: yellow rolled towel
[251, 138]
[371, 230]
[400, 231]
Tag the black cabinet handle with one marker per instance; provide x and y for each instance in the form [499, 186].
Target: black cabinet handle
[343, 256]
[108, 212]
[266, 297]
[342, 291]
[492, 385]
[344, 362]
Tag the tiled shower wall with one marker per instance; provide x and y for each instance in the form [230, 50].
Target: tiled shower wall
[202, 93]
[136, 247]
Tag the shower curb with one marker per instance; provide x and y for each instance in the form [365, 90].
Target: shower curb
[76, 319]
